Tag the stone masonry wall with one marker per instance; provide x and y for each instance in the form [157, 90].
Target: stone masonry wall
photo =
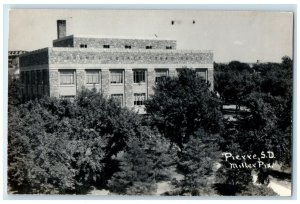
[54, 83]
[151, 81]
[105, 82]
[128, 88]
[120, 43]
[90, 56]
[80, 80]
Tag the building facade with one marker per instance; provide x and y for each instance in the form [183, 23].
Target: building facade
[122, 68]
[13, 63]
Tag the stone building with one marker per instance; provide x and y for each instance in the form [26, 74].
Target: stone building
[13, 63]
[122, 68]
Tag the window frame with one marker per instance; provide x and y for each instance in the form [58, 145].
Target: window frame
[92, 73]
[136, 76]
[113, 74]
[138, 96]
[161, 70]
[202, 70]
[61, 74]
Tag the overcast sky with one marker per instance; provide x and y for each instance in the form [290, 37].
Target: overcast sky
[243, 36]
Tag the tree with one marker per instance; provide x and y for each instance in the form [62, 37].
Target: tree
[136, 175]
[57, 146]
[196, 162]
[183, 104]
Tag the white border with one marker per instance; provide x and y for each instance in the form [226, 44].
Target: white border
[160, 4]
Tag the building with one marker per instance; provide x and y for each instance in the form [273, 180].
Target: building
[122, 68]
[13, 63]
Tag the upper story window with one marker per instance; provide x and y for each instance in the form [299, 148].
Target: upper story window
[139, 76]
[148, 47]
[160, 74]
[202, 73]
[127, 46]
[106, 46]
[139, 99]
[83, 46]
[116, 76]
[169, 47]
[67, 77]
[92, 76]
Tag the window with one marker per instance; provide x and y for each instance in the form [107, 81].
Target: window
[201, 73]
[148, 47]
[66, 77]
[139, 99]
[160, 73]
[69, 98]
[168, 47]
[139, 76]
[116, 76]
[45, 77]
[118, 98]
[92, 77]
[127, 46]
[32, 73]
[39, 76]
[83, 46]
[106, 46]
[27, 78]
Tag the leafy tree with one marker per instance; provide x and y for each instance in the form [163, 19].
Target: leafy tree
[183, 104]
[56, 146]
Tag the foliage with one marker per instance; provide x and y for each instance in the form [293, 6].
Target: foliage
[143, 163]
[234, 80]
[265, 123]
[183, 104]
[255, 190]
[56, 146]
[14, 92]
[196, 163]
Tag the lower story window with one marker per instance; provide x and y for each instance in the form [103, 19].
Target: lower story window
[139, 99]
[118, 98]
[69, 98]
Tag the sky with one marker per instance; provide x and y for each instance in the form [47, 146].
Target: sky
[245, 36]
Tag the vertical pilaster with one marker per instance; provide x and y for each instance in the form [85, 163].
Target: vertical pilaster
[80, 80]
[210, 78]
[128, 86]
[151, 81]
[54, 82]
[105, 82]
